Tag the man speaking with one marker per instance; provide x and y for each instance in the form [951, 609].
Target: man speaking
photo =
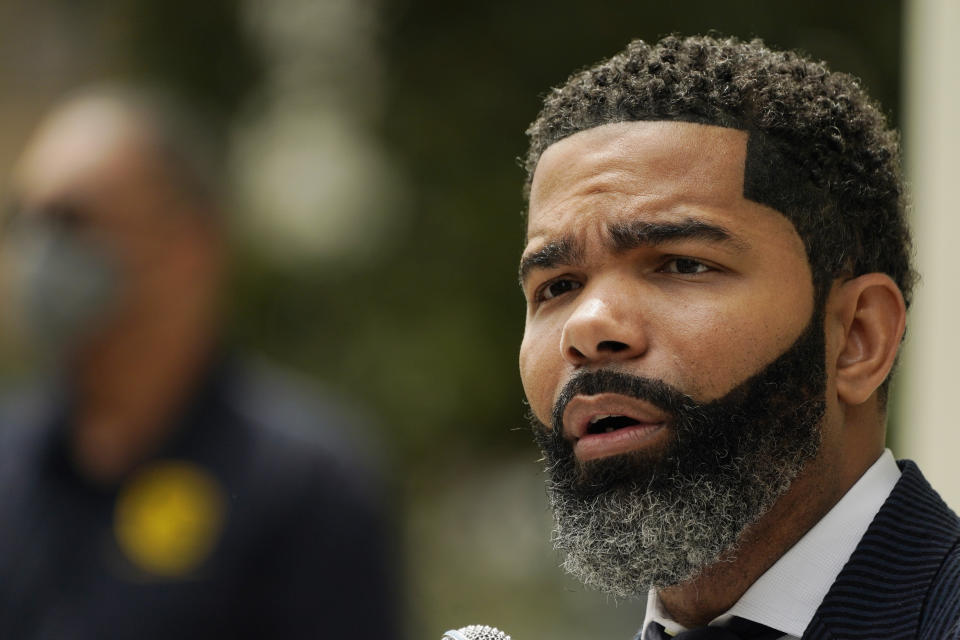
[717, 272]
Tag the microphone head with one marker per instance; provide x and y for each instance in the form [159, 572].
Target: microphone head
[476, 632]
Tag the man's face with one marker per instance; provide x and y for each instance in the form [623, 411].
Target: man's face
[663, 309]
[93, 203]
[92, 171]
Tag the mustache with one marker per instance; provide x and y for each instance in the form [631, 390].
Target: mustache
[662, 395]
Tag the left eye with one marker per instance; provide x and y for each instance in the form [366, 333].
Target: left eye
[685, 266]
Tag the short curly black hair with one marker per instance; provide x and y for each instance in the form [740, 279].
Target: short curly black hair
[820, 150]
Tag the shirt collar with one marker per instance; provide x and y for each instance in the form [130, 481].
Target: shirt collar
[787, 595]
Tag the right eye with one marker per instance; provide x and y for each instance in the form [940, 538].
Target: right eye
[557, 288]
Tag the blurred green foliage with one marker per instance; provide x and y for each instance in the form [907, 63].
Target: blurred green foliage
[200, 50]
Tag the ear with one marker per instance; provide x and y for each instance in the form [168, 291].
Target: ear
[870, 315]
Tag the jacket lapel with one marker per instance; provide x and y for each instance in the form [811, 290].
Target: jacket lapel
[881, 590]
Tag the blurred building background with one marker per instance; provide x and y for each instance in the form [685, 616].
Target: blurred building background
[377, 205]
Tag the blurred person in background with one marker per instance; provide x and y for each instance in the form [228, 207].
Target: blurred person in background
[717, 274]
[159, 486]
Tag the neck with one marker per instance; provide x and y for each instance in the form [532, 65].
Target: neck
[132, 383]
[715, 590]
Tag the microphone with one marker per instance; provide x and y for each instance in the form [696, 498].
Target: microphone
[476, 632]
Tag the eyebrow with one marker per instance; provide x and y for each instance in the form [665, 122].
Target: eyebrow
[642, 233]
[626, 236]
[565, 251]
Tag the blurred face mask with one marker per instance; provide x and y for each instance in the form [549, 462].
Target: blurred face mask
[63, 280]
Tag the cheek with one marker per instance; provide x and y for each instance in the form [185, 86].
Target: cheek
[714, 350]
[540, 369]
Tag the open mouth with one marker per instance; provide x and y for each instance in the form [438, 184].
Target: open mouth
[609, 424]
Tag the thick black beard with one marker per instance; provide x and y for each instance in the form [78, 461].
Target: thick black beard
[658, 518]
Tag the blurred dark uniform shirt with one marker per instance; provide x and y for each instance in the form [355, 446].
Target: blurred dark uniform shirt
[302, 551]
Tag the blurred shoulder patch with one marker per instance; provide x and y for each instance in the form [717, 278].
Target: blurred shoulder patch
[169, 517]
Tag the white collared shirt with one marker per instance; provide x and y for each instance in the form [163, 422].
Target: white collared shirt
[787, 595]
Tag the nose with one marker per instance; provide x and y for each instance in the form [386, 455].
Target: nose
[606, 326]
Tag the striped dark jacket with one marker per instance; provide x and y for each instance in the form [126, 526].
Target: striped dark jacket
[903, 580]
